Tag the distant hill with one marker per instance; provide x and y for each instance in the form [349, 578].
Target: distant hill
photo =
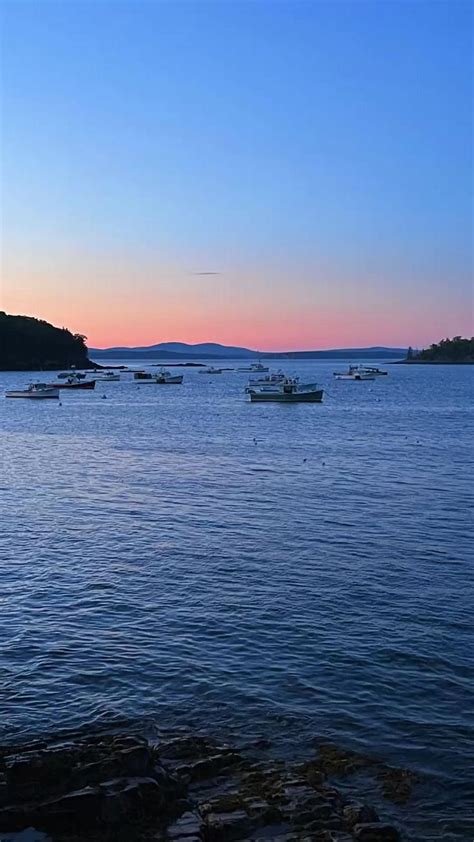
[28, 344]
[211, 350]
[202, 349]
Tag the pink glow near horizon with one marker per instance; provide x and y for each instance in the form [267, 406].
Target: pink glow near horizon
[145, 306]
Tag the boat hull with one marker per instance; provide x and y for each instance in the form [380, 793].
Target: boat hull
[45, 394]
[169, 381]
[287, 397]
[354, 376]
[84, 384]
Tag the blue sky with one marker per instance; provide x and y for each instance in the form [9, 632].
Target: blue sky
[318, 152]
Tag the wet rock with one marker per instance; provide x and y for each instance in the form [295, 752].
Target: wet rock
[187, 789]
[209, 767]
[190, 824]
[333, 760]
[376, 832]
[135, 760]
[397, 784]
[78, 808]
[224, 827]
[27, 835]
[358, 814]
[24, 772]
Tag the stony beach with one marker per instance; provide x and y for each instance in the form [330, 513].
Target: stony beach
[186, 788]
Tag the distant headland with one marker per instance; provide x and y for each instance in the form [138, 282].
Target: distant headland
[456, 351]
[29, 344]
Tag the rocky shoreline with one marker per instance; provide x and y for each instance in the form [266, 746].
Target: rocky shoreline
[185, 788]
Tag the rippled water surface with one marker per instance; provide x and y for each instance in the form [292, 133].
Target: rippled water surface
[289, 571]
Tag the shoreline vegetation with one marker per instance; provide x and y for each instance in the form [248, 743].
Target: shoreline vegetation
[185, 787]
[456, 351]
[30, 344]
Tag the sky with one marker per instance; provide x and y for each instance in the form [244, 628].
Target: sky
[315, 157]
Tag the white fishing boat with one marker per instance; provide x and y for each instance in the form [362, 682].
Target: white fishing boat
[35, 391]
[64, 375]
[354, 372]
[108, 377]
[290, 391]
[377, 372]
[210, 370]
[255, 368]
[268, 382]
[166, 378]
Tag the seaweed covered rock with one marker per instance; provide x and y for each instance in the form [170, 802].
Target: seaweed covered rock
[186, 788]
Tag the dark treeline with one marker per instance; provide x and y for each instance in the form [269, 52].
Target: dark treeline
[456, 350]
[28, 344]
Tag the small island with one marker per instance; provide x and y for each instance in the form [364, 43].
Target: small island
[456, 351]
[29, 344]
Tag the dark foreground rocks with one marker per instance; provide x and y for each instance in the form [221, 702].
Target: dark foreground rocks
[185, 789]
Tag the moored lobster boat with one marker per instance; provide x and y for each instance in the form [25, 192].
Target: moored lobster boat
[355, 372]
[210, 370]
[255, 368]
[35, 391]
[268, 382]
[73, 382]
[166, 378]
[291, 391]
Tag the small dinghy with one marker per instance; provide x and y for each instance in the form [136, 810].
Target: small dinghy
[35, 391]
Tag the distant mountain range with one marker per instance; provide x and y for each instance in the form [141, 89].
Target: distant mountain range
[212, 350]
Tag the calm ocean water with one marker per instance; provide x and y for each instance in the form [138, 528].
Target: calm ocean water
[289, 571]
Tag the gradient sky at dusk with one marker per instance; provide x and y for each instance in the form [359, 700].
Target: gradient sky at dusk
[316, 155]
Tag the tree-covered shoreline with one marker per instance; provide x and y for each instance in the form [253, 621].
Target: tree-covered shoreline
[30, 344]
[455, 351]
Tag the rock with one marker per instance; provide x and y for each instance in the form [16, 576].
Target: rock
[376, 832]
[24, 772]
[224, 827]
[28, 835]
[135, 760]
[209, 767]
[397, 784]
[79, 808]
[358, 814]
[334, 760]
[188, 825]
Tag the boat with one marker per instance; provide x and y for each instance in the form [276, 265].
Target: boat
[165, 377]
[210, 370]
[290, 391]
[65, 374]
[108, 376]
[354, 372]
[73, 382]
[267, 382]
[36, 391]
[374, 370]
[255, 368]
[142, 375]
